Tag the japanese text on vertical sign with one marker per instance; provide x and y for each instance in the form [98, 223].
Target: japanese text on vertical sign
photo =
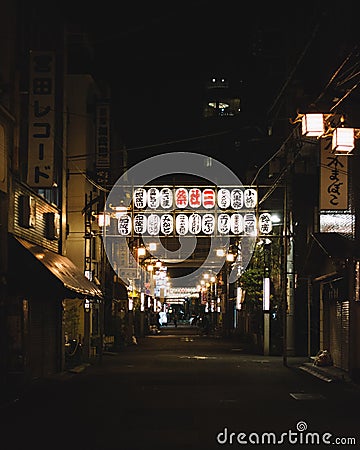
[333, 179]
[103, 144]
[41, 140]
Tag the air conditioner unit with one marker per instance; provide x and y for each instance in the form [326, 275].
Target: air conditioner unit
[27, 211]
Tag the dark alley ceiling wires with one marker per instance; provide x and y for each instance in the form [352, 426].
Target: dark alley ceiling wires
[299, 145]
[347, 93]
[289, 78]
[351, 68]
[273, 156]
[332, 79]
[348, 70]
[344, 81]
[149, 146]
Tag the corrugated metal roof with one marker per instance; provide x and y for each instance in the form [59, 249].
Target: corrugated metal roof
[337, 246]
[64, 270]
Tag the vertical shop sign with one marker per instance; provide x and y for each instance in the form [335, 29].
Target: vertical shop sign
[41, 136]
[333, 178]
[103, 144]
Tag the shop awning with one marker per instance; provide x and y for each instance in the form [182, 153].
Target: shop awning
[327, 254]
[63, 269]
[335, 245]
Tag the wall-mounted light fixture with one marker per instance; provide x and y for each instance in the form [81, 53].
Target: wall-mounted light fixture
[320, 125]
[343, 140]
[230, 257]
[312, 125]
[103, 220]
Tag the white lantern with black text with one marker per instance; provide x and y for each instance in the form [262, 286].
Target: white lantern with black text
[182, 224]
[195, 223]
[153, 224]
[265, 225]
[124, 225]
[140, 198]
[166, 224]
[153, 198]
[140, 222]
[166, 198]
[208, 224]
[224, 223]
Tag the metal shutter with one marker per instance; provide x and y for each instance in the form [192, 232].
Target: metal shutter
[44, 337]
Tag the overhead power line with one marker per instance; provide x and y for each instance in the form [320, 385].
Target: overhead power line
[158, 144]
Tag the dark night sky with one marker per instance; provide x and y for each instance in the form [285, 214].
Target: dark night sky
[158, 55]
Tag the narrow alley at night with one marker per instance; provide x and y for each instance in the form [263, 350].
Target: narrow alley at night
[179, 232]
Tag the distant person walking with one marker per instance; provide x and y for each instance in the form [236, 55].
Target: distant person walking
[175, 320]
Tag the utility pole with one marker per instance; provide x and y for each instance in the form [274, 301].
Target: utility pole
[290, 277]
[284, 277]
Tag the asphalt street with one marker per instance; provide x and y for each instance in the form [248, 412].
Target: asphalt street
[182, 390]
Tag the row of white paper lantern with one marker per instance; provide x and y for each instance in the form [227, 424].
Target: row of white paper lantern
[155, 198]
[154, 224]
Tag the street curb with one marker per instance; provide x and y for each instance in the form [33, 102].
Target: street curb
[327, 373]
[317, 374]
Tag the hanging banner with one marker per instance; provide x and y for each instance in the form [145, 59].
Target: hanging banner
[189, 211]
[41, 140]
[333, 178]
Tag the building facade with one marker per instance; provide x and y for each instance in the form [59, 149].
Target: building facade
[38, 278]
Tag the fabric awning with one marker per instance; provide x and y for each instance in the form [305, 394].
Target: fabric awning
[63, 269]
